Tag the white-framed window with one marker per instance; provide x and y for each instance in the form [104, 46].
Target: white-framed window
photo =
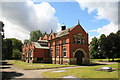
[64, 51]
[79, 41]
[57, 43]
[57, 51]
[64, 41]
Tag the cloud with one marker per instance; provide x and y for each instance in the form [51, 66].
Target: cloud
[107, 29]
[105, 10]
[14, 31]
[24, 17]
[59, 27]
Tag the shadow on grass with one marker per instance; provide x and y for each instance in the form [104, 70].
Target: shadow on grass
[10, 75]
[91, 64]
[4, 67]
[3, 63]
[115, 61]
[110, 61]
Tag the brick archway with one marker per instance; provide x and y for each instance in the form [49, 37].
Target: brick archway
[79, 54]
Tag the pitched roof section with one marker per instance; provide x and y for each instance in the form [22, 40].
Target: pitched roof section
[37, 45]
[64, 32]
[42, 40]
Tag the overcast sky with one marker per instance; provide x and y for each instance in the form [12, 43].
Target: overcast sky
[20, 18]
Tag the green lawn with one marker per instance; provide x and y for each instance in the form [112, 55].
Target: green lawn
[85, 72]
[96, 60]
[25, 65]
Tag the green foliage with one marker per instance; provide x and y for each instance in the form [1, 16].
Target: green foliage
[111, 46]
[16, 54]
[101, 52]
[7, 49]
[94, 48]
[118, 33]
[106, 47]
[9, 45]
[17, 44]
[35, 35]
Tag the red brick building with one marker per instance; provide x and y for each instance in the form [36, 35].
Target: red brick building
[69, 46]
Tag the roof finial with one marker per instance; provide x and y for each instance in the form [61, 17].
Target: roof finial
[78, 22]
[51, 31]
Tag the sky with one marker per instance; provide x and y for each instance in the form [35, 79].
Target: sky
[95, 16]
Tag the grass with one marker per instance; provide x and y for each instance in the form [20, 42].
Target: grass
[85, 72]
[31, 66]
[96, 60]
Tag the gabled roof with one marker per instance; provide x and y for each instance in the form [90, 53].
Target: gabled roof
[64, 32]
[37, 45]
[42, 40]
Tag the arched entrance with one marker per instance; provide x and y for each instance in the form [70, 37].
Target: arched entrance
[79, 55]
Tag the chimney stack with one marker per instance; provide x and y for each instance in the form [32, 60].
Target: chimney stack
[63, 27]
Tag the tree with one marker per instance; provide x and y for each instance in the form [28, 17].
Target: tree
[94, 48]
[35, 35]
[7, 49]
[118, 33]
[102, 38]
[16, 43]
[16, 54]
[111, 46]
[118, 44]
[10, 44]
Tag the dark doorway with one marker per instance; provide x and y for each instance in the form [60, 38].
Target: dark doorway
[79, 55]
